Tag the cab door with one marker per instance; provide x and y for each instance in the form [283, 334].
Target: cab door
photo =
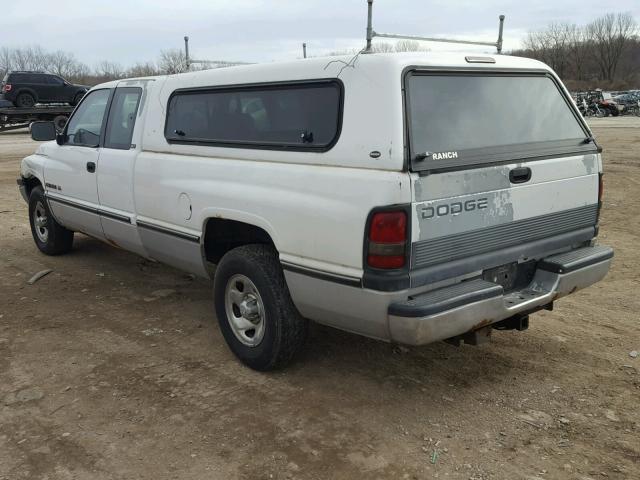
[52, 89]
[70, 169]
[116, 167]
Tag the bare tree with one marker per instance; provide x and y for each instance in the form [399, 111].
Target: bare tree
[410, 46]
[61, 63]
[550, 46]
[382, 47]
[6, 61]
[110, 70]
[578, 47]
[610, 35]
[29, 58]
[147, 69]
[172, 61]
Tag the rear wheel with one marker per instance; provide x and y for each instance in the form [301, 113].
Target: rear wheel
[25, 100]
[51, 238]
[257, 317]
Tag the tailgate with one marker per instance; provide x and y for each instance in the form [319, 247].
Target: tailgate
[504, 172]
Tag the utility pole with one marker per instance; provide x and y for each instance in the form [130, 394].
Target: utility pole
[186, 52]
[304, 50]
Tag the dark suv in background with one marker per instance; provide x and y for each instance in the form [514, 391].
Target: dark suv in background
[25, 89]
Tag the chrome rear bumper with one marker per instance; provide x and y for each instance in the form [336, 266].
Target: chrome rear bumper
[471, 305]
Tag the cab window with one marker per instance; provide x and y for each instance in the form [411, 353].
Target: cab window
[85, 126]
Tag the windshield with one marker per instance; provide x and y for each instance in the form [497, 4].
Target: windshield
[464, 119]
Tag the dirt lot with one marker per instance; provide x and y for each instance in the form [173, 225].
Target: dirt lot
[113, 367]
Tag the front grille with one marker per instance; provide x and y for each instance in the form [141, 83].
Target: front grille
[489, 239]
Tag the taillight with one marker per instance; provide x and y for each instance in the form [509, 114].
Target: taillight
[387, 240]
[600, 195]
[600, 188]
[6, 88]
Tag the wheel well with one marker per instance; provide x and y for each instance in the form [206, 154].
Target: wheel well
[31, 183]
[222, 235]
[29, 91]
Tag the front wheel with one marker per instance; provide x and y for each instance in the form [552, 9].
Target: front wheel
[257, 317]
[51, 238]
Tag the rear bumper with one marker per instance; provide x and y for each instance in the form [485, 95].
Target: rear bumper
[468, 306]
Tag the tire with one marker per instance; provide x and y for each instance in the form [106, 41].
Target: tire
[77, 98]
[25, 100]
[51, 238]
[245, 274]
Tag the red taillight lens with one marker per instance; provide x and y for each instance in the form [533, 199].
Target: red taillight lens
[6, 88]
[387, 240]
[388, 227]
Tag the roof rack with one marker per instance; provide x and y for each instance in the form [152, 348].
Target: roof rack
[221, 63]
[372, 33]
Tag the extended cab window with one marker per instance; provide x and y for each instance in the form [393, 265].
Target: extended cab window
[303, 116]
[456, 120]
[122, 118]
[85, 126]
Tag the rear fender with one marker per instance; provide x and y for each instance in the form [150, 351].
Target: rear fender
[27, 90]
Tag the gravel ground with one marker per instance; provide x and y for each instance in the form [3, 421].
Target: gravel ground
[112, 367]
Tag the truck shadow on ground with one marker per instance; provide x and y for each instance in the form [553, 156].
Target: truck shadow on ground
[380, 362]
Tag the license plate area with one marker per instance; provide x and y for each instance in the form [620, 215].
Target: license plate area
[512, 276]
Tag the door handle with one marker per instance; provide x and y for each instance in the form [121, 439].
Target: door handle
[91, 167]
[520, 175]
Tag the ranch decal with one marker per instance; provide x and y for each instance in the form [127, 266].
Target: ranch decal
[445, 155]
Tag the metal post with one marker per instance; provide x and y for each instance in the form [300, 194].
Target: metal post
[304, 50]
[369, 25]
[186, 52]
[499, 43]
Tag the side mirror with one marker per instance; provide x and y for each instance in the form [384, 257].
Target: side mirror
[43, 131]
[61, 138]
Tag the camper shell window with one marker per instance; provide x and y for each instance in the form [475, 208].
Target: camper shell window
[291, 116]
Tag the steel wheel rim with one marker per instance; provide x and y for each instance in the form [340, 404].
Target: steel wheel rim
[245, 310]
[29, 100]
[40, 221]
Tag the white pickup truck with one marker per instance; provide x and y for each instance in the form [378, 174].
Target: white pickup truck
[406, 197]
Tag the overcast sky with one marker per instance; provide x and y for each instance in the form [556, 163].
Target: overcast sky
[129, 31]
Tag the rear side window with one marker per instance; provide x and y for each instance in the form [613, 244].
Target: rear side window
[302, 116]
[466, 119]
[53, 80]
[122, 118]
